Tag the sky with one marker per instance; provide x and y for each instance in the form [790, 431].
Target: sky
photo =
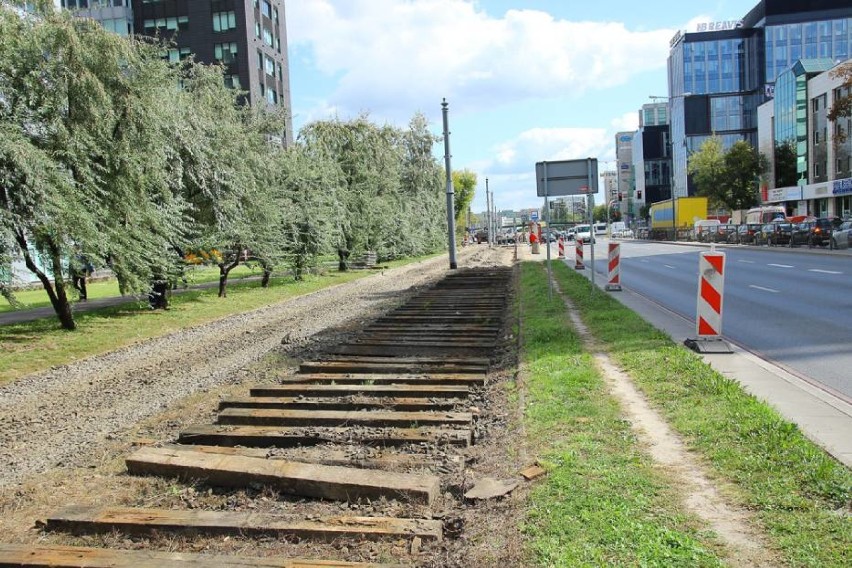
[525, 81]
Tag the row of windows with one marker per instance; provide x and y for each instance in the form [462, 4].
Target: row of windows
[174, 23]
[84, 4]
[223, 21]
[268, 65]
[786, 44]
[121, 26]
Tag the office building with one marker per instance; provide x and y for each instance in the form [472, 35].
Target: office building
[651, 156]
[248, 37]
[721, 72]
[624, 167]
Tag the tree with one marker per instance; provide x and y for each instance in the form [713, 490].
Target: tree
[84, 151]
[600, 214]
[842, 107]
[707, 167]
[743, 168]
[785, 164]
[464, 186]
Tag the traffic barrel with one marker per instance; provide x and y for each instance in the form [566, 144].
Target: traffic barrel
[614, 280]
[711, 286]
[578, 256]
[561, 248]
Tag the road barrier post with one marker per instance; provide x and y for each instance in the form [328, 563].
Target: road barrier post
[614, 281]
[711, 293]
[561, 248]
[578, 256]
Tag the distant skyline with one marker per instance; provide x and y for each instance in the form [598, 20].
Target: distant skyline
[525, 81]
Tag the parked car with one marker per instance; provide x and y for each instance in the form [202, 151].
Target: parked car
[820, 233]
[841, 237]
[584, 233]
[801, 233]
[774, 234]
[746, 233]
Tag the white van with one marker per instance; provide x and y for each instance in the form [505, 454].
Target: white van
[600, 228]
[583, 233]
[704, 229]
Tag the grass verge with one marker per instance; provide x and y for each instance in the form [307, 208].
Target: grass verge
[603, 502]
[799, 493]
[40, 344]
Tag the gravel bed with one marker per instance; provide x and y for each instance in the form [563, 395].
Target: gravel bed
[62, 417]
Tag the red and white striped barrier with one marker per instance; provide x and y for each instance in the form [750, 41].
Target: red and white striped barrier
[561, 248]
[711, 287]
[578, 256]
[614, 281]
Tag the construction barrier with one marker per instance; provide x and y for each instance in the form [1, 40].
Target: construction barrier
[613, 282]
[711, 286]
[561, 248]
[578, 256]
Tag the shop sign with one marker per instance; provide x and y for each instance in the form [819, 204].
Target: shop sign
[841, 186]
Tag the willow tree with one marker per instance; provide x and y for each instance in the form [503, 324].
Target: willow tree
[83, 151]
[369, 160]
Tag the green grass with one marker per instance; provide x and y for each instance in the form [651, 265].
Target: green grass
[799, 494]
[36, 297]
[38, 345]
[603, 503]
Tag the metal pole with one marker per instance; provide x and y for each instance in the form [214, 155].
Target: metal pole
[591, 205]
[451, 217]
[547, 237]
[488, 213]
[515, 234]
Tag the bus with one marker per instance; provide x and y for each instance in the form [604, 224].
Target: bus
[765, 214]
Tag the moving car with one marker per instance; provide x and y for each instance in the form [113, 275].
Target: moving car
[583, 233]
[841, 237]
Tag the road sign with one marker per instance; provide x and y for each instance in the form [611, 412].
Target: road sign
[533, 215]
[567, 177]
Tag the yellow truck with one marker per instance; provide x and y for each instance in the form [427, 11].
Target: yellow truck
[687, 210]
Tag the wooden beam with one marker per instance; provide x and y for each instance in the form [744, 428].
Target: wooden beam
[44, 556]
[343, 403]
[293, 478]
[377, 418]
[406, 390]
[89, 520]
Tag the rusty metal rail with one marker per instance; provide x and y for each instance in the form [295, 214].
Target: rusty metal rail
[403, 382]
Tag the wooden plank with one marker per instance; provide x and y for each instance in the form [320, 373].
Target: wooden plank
[388, 367]
[307, 480]
[354, 378]
[412, 390]
[460, 361]
[376, 459]
[90, 520]
[45, 556]
[375, 418]
[354, 402]
[270, 436]
[402, 349]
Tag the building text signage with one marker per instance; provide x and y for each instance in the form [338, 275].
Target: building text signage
[718, 26]
[841, 186]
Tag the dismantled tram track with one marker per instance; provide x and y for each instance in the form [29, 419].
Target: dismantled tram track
[353, 426]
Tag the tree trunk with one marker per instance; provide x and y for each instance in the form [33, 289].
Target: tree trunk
[223, 275]
[57, 295]
[342, 255]
[267, 274]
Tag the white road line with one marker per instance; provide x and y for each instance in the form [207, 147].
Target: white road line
[781, 265]
[746, 261]
[824, 271]
[764, 289]
[669, 266]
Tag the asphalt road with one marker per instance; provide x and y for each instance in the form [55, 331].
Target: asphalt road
[791, 306]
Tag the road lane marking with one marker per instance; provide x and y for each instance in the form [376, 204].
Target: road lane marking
[781, 265]
[824, 271]
[746, 261]
[669, 266]
[764, 289]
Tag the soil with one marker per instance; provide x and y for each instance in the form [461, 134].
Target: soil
[64, 433]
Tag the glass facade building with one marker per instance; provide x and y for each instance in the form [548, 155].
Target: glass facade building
[719, 74]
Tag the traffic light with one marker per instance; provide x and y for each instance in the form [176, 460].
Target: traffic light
[620, 196]
[639, 194]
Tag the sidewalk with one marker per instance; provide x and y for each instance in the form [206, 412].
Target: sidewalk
[825, 419]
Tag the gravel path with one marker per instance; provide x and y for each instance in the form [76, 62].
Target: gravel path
[59, 418]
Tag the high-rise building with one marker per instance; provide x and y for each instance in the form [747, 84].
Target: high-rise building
[651, 156]
[721, 72]
[624, 167]
[248, 37]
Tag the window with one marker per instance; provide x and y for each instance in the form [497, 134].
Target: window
[266, 8]
[178, 23]
[260, 60]
[232, 81]
[223, 21]
[225, 52]
[267, 36]
[271, 96]
[257, 29]
[269, 66]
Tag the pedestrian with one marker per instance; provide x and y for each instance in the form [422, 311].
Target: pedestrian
[81, 269]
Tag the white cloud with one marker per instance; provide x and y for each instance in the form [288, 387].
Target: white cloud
[392, 57]
[628, 122]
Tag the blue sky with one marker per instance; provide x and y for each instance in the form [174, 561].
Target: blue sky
[525, 81]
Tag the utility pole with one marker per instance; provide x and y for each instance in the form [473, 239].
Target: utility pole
[451, 217]
[488, 229]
